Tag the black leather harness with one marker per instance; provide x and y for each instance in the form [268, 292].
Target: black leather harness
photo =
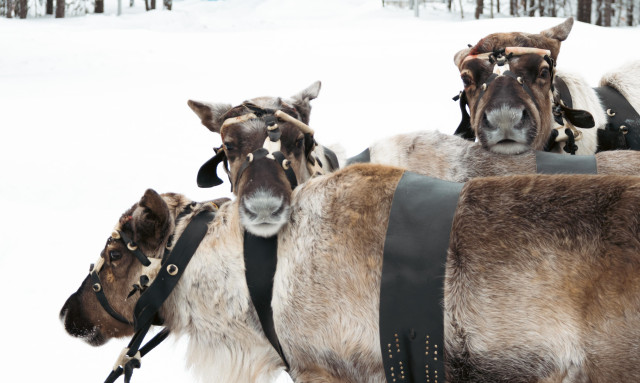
[260, 261]
[153, 296]
[623, 122]
[411, 291]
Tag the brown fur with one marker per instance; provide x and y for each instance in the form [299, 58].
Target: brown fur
[542, 281]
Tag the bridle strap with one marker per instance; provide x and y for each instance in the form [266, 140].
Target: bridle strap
[154, 296]
[102, 299]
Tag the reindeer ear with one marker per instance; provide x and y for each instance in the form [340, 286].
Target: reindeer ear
[210, 114]
[457, 59]
[560, 32]
[302, 98]
[151, 220]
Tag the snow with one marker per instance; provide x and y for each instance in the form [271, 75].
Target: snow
[93, 111]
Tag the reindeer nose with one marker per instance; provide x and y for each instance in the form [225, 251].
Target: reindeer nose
[504, 118]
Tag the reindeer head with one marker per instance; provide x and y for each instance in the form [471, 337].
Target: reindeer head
[508, 81]
[131, 257]
[266, 150]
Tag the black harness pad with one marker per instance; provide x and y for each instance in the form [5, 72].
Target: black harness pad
[411, 291]
[556, 163]
[613, 137]
[363, 157]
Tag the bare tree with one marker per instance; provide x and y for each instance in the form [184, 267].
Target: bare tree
[99, 8]
[9, 9]
[630, 13]
[479, 8]
[21, 9]
[584, 11]
[60, 6]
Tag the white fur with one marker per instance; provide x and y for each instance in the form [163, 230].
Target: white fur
[625, 80]
[211, 305]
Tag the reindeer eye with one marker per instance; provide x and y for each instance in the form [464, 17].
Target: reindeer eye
[300, 142]
[466, 80]
[115, 255]
[544, 73]
[229, 146]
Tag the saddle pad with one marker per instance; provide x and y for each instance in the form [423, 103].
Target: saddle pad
[556, 163]
[412, 284]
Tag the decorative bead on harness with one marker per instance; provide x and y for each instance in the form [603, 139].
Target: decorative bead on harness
[500, 59]
[271, 149]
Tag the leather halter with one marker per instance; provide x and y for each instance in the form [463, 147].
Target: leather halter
[271, 148]
[155, 288]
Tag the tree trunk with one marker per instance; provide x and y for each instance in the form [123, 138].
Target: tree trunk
[630, 13]
[153, 4]
[491, 7]
[168, 4]
[9, 9]
[584, 11]
[22, 9]
[99, 6]
[606, 13]
[60, 6]
[479, 8]
[553, 11]
[498, 6]
[541, 8]
[532, 8]
[448, 4]
[49, 7]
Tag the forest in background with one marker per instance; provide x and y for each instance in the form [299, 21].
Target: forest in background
[605, 13]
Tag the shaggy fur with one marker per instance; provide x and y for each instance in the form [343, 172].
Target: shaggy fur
[542, 280]
[210, 304]
[625, 80]
[452, 158]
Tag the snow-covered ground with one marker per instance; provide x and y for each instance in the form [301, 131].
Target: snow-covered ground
[93, 111]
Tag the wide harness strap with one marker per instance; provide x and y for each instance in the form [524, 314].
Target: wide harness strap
[260, 260]
[153, 295]
[556, 163]
[412, 283]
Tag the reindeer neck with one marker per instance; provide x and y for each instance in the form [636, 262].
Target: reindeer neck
[211, 305]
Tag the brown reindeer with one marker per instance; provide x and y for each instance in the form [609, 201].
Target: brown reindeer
[210, 303]
[269, 137]
[517, 101]
[542, 279]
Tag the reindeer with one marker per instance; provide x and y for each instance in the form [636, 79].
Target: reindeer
[268, 136]
[541, 280]
[210, 302]
[517, 101]
[562, 266]
[451, 158]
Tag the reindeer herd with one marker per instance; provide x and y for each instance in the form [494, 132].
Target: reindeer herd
[539, 276]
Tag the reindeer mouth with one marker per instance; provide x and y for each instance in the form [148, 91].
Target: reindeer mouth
[506, 141]
[264, 214]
